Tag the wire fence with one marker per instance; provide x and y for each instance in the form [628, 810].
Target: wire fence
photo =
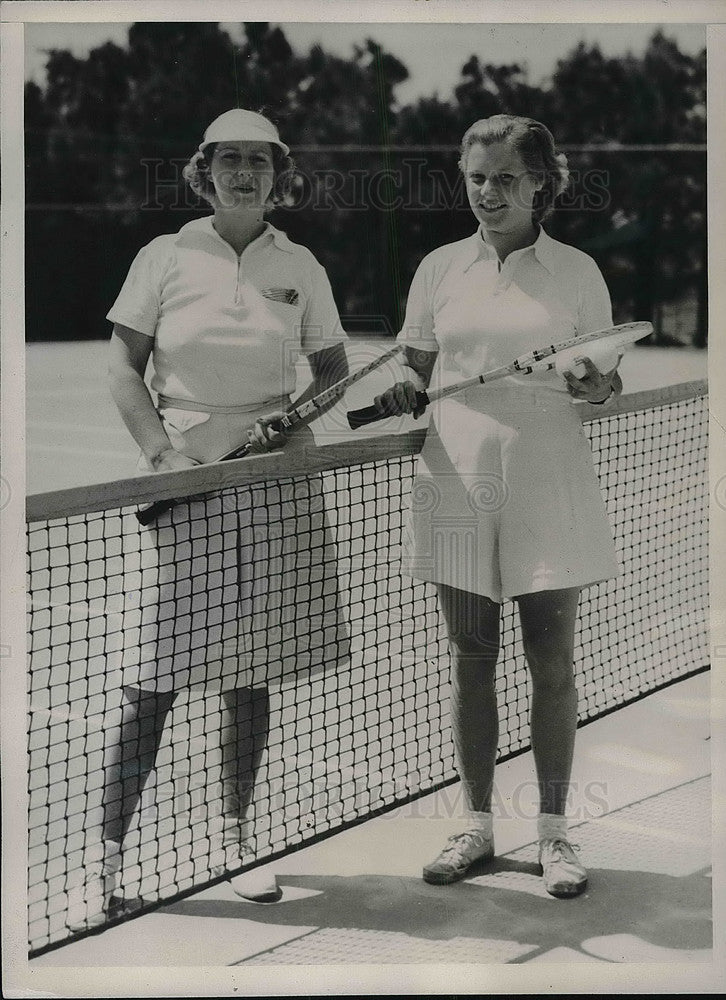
[370, 213]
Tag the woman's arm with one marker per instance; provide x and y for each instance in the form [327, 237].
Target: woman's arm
[594, 313]
[422, 363]
[328, 366]
[421, 347]
[129, 355]
[401, 398]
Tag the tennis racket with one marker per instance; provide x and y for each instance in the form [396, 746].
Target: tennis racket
[307, 411]
[613, 340]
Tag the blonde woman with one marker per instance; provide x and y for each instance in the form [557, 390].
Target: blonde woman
[511, 462]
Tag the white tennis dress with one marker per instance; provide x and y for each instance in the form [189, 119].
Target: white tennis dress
[505, 500]
[240, 588]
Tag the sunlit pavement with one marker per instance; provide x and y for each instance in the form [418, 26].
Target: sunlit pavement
[75, 436]
[640, 814]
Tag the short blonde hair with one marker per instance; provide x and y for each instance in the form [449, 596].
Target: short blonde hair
[535, 145]
[198, 176]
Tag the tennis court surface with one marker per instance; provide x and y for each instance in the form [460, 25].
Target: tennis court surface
[357, 755]
[642, 779]
[75, 435]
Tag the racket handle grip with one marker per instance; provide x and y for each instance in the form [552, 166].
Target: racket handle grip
[370, 414]
[146, 515]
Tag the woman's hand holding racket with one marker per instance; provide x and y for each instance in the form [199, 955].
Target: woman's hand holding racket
[594, 386]
[172, 460]
[268, 434]
[271, 431]
[401, 398]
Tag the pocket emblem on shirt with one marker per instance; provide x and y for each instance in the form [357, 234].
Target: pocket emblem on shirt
[288, 295]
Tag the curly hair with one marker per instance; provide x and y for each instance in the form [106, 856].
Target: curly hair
[535, 145]
[198, 176]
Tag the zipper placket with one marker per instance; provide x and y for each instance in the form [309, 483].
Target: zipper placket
[236, 287]
[238, 282]
[237, 296]
[238, 258]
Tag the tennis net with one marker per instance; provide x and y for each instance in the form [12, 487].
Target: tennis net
[291, 575]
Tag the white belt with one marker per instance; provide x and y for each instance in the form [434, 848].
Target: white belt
[276, 403]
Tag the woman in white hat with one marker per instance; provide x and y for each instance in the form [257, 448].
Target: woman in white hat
[506, 504]
[224, 308]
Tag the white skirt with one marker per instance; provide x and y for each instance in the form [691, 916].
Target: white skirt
[236, 589]
[506, 500]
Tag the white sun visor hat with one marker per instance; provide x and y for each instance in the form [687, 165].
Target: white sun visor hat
[242, 126]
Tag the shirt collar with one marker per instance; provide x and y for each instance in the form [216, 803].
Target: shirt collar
[478, 249]
[542, 248]
[280, 239]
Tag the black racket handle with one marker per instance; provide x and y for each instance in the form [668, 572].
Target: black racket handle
[369, 414]
[146, 515]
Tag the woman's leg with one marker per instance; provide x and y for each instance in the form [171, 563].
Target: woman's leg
[131, 755]
[244, 734]
[548, 632]
[473, 627]
[548, 629]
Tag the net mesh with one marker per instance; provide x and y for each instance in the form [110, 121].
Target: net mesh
[342, 666]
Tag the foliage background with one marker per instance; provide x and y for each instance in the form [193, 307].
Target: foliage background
[378, 184]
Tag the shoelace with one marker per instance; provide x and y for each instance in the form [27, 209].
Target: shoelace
[560, 847]
[458, 843]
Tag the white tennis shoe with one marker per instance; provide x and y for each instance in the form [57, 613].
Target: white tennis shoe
[462, 851]
[563, 874]
[258, 885]
[90, 902]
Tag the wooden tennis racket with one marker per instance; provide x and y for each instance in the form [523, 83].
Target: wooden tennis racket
[307, 411]
[613, 340]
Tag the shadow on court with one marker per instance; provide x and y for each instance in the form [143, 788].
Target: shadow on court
[504, 907]
[648, 900]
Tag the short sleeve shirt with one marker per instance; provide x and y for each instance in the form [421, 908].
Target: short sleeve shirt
[479, 316]
[227, 329]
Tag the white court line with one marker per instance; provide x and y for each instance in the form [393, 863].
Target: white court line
[657, 832]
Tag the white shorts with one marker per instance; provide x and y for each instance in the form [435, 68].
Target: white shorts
[506, 500]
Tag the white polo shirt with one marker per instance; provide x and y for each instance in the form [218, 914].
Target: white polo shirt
[227, 330]
[480, 317]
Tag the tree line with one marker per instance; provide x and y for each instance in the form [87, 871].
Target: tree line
[377, 184]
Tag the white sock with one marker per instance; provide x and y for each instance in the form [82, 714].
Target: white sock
[551, 827]
[104, 852]
[112, 855]
[481, 822]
